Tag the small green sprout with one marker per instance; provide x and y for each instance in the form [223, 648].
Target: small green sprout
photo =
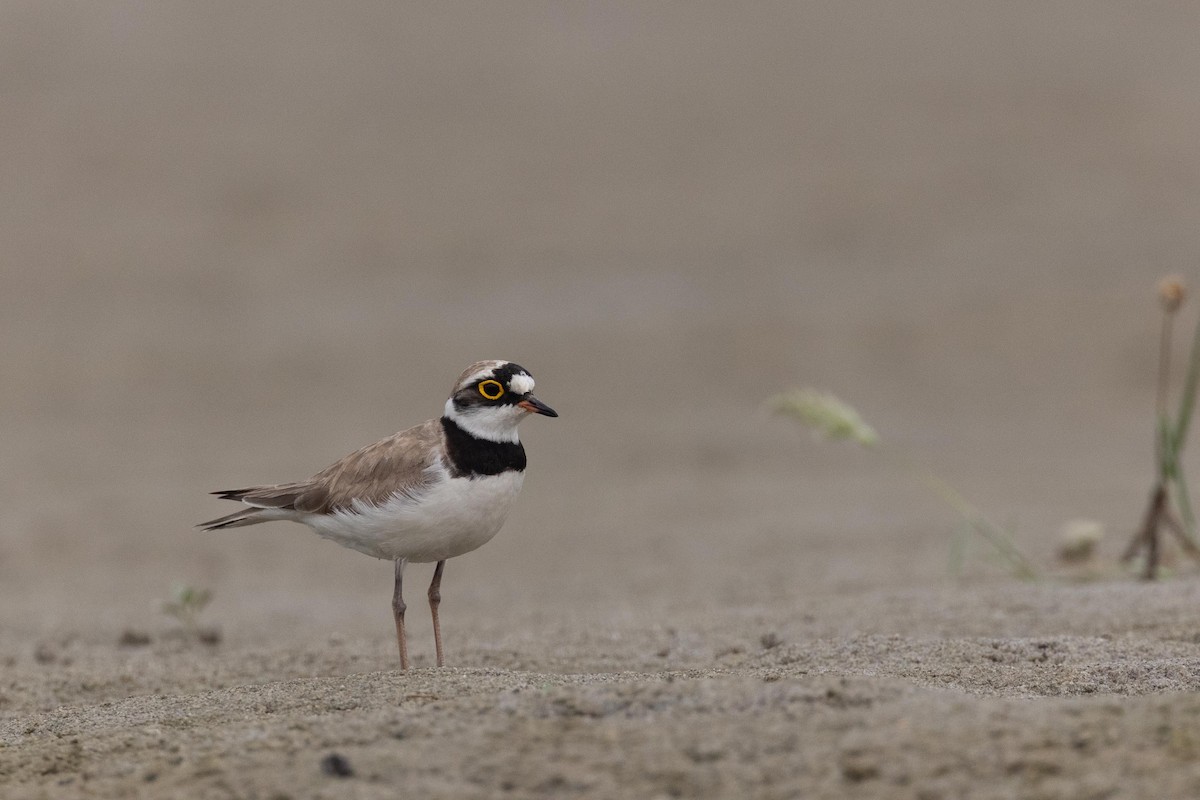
[185, 606]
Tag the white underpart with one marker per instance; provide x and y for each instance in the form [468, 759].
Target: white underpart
[450, 517]
[494, 423]
[521, 384]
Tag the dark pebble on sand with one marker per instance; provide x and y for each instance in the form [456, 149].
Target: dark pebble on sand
[132, 638]
[337, 766]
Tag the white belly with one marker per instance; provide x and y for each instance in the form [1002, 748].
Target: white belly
[453, 517]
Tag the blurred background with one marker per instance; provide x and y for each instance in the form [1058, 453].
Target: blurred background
[241, 240]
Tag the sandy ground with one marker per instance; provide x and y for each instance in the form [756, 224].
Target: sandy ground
[239, 242]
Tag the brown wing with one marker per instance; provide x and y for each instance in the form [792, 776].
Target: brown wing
[373, 474]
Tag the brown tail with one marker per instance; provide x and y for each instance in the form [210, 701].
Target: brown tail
[262, 500]
[238, 519]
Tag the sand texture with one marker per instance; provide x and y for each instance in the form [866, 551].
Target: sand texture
[240, 241]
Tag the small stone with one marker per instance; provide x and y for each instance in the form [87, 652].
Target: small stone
[337, 766]
[1078, 540]
[858, 767]
[132, 638]
[209, 636]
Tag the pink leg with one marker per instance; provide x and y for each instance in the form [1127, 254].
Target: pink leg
[398, 612]
[435, 598]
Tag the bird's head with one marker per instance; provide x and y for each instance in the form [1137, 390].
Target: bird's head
[491, 398]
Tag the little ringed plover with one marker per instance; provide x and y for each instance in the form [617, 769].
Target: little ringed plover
[429, 493]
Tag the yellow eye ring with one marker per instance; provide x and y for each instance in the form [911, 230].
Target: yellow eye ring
[492, 390]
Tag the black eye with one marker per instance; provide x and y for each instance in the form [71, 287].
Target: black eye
[491, 390]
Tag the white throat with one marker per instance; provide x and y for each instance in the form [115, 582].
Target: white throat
[496, 424]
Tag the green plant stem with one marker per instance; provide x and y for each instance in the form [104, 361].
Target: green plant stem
[989, 531]
[1164, 362]
[1172, 438]
[1187, 402]
[1185, 503]
[992, 533]
[1163, 447]
[1164, 440]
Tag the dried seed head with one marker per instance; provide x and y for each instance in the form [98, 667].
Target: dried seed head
[825, 415]
[1171, 293]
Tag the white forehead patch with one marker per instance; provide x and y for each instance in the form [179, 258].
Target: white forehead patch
[521, 383]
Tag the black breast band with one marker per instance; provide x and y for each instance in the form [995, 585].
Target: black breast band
[471, 456]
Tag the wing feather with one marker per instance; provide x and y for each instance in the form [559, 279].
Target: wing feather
[399, 464]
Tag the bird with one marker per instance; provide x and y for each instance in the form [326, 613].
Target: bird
[426, 494]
